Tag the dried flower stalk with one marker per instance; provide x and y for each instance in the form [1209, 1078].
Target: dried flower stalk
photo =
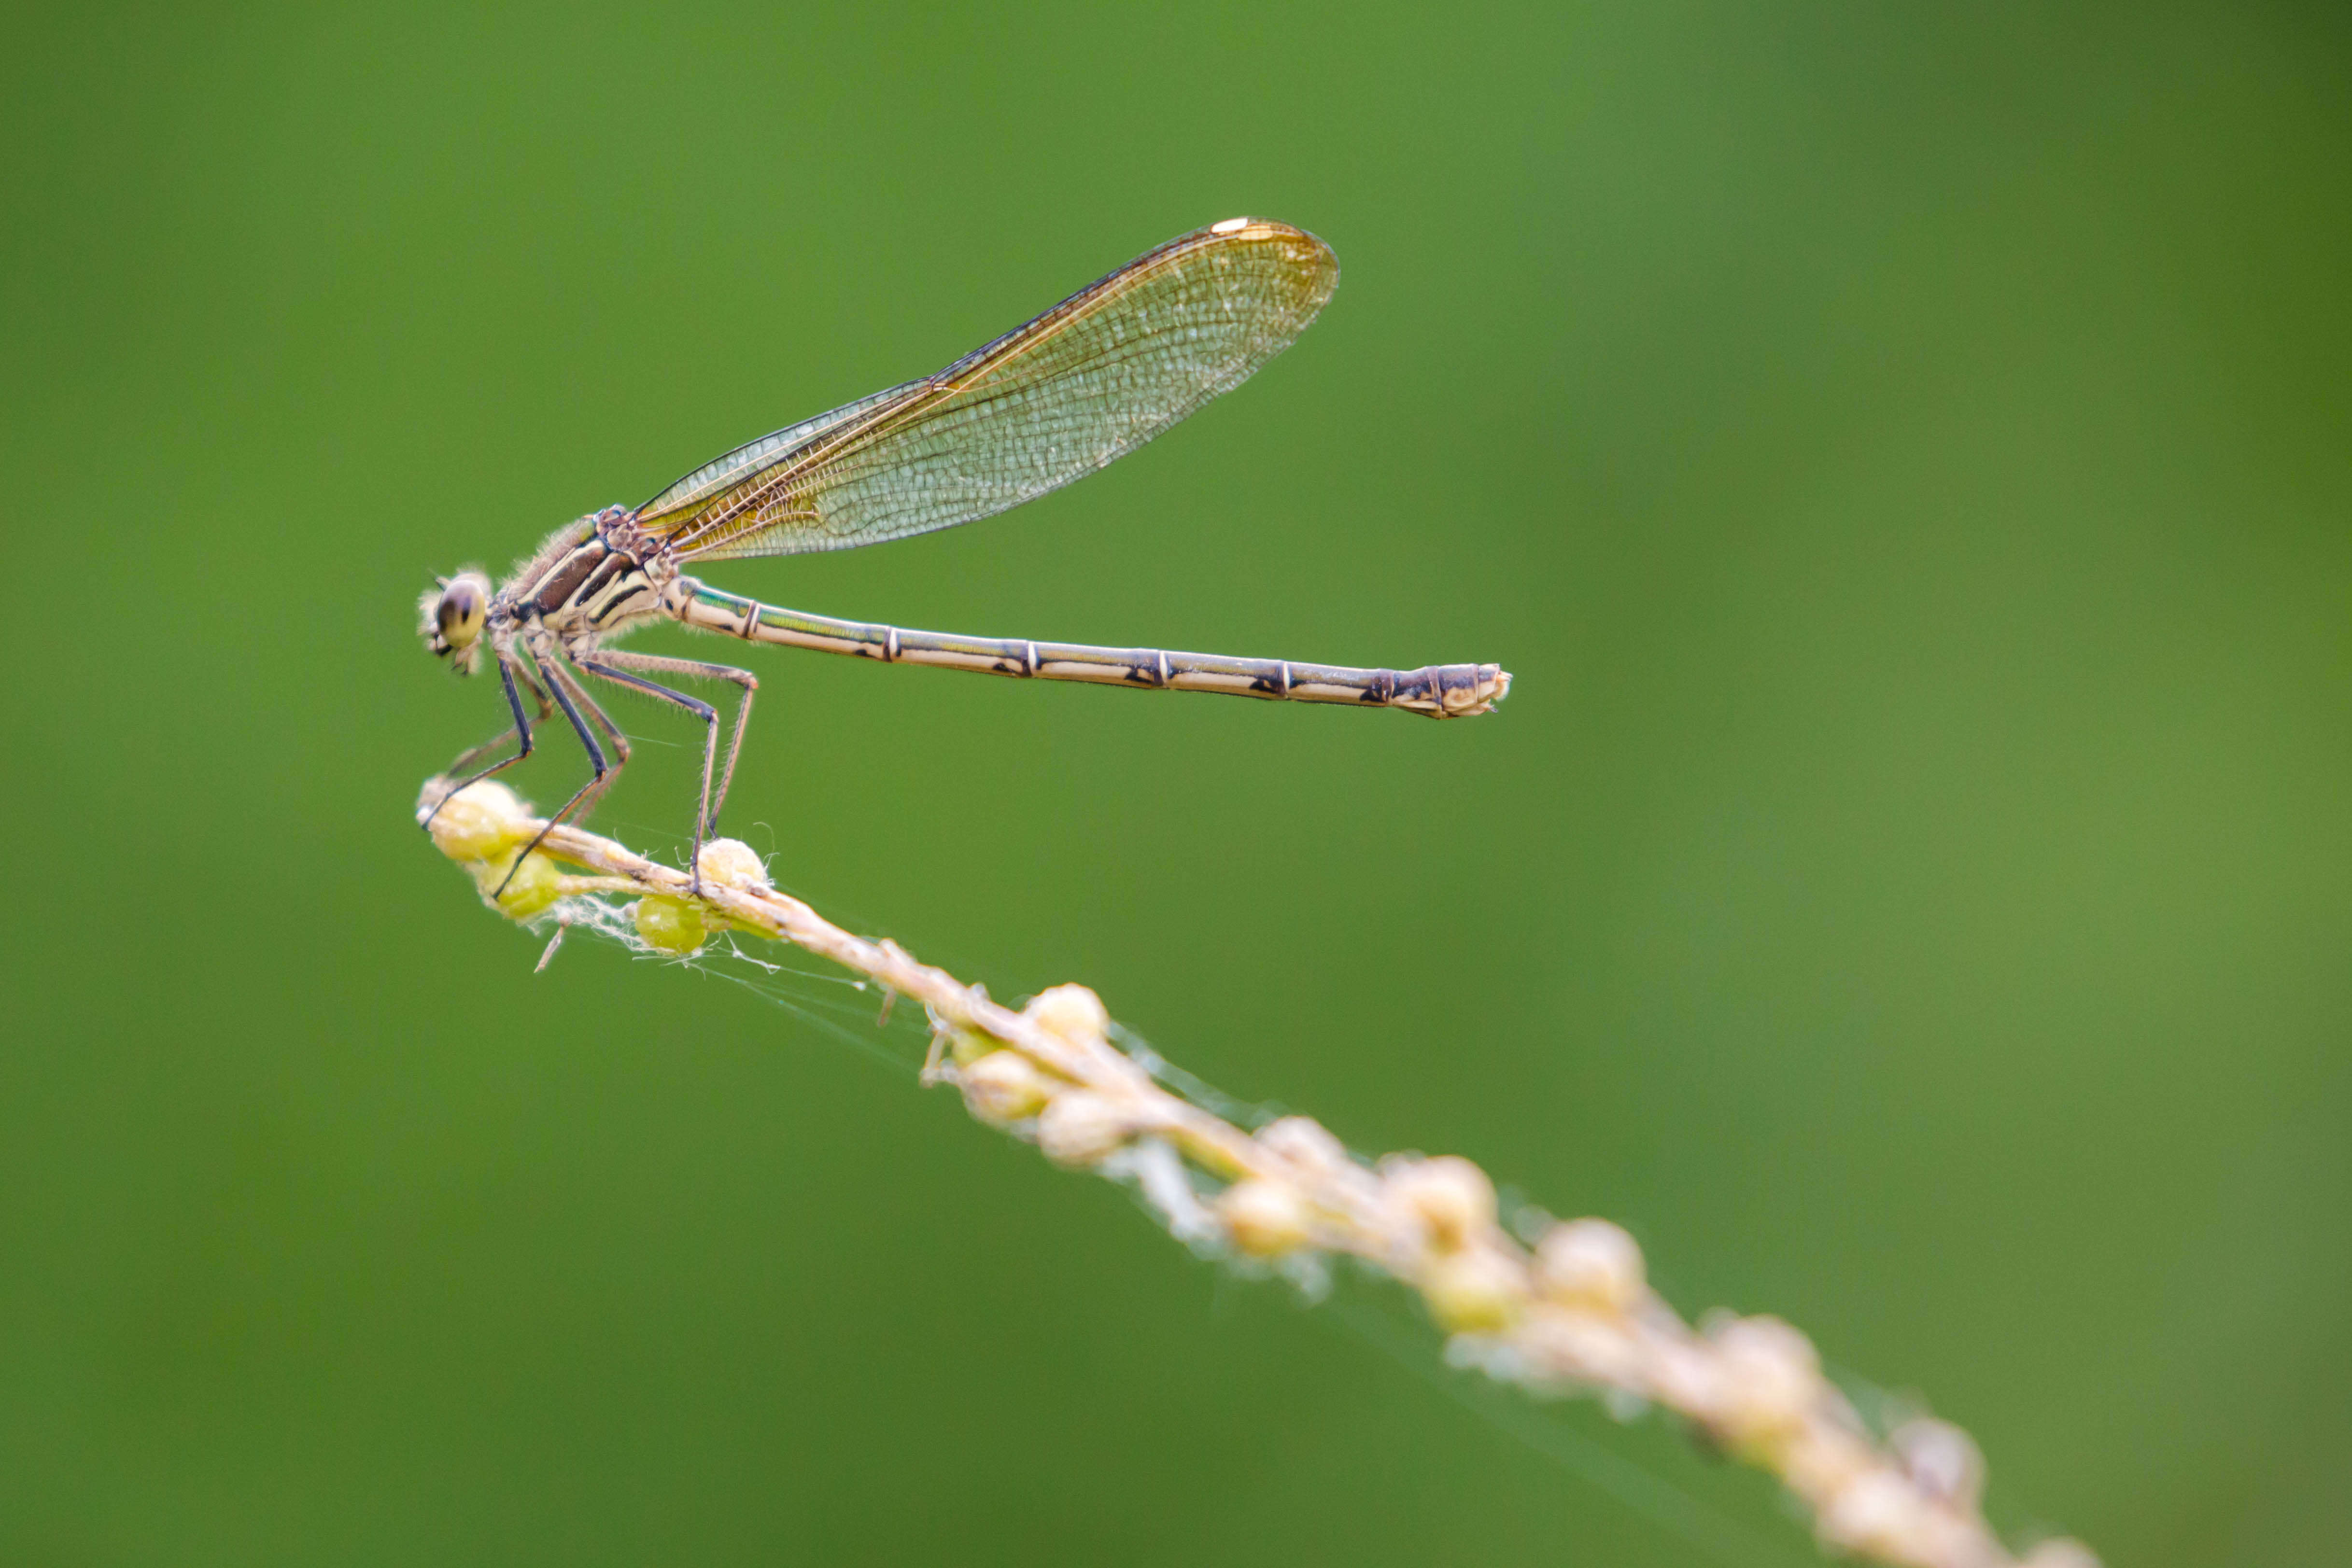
[1574, 1313]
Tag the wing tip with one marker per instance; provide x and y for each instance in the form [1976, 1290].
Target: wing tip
[1257, 231]
[1309, 255]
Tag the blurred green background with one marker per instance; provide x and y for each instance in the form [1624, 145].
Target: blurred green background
[1902, 457]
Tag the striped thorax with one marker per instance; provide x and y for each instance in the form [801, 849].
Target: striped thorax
[591, 580]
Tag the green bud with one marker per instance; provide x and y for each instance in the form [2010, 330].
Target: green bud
[531, 892]
[671, 925]
[969, 1046]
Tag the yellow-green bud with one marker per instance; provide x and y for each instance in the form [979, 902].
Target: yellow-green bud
[483, 824]
[732, 863]
[1941, 1460]
[530, 893]
[1450, 1197]
[671, 925]
[1073, 1013]
[968, 1045]
[1592, 1264]
[1264, 1218]
[1003, 1087]
[1770, 1377]
[1305, 1142]
[1081, 1128]
[1475, 1291]
[1874, 1514]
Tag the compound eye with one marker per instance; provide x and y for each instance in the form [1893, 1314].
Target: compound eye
[460, 613]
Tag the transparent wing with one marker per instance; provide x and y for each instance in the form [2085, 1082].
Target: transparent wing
[1091, 379]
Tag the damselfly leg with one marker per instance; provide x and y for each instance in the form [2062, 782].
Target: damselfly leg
[573, 700]
[611, 666]
[508, 669]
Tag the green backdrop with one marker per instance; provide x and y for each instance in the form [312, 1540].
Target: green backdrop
[1902, 456]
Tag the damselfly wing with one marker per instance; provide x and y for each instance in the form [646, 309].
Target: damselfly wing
[1086, 383]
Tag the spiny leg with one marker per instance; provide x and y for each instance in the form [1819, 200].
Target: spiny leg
[599, 718]
[694, 669]
[566, 684]
[509, 667]
[592, 794]
[472, 755]
[565, 689]
[606, 665]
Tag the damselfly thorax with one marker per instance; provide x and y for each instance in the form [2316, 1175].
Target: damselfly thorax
[590, 581]
[1088, 381]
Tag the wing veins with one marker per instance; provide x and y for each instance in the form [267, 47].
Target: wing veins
[1205, 310]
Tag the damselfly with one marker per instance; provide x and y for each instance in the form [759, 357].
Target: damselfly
[1092, 379]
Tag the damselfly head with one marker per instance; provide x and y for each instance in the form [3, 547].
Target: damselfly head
[450, 617]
